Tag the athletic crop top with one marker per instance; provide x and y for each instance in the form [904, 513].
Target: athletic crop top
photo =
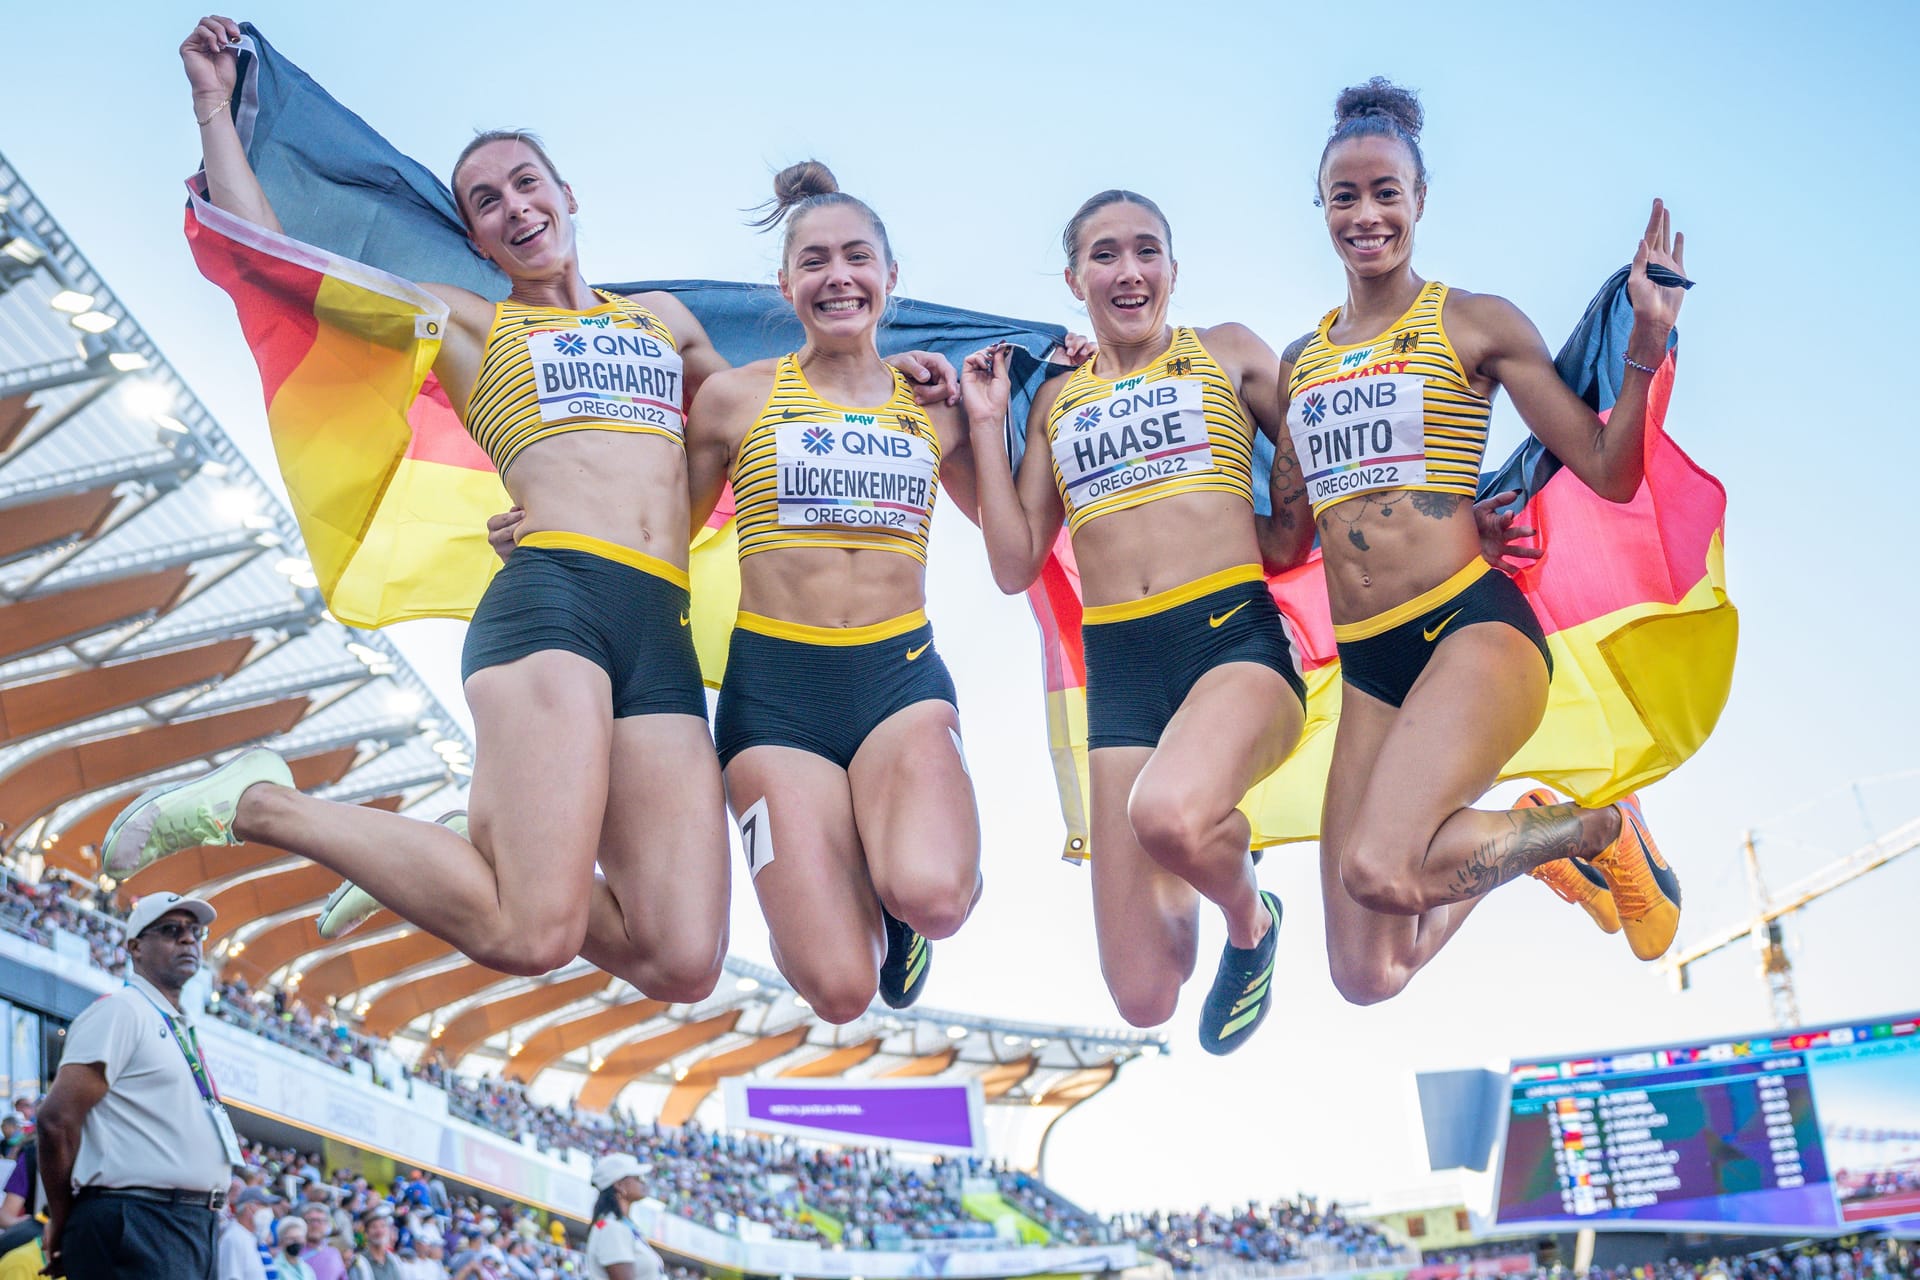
[811, 473]
[1394, 412]
[547, 371]
[1177, 426]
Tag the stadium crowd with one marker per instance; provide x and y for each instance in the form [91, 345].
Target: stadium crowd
[1284, 1231]
[1859, 1258]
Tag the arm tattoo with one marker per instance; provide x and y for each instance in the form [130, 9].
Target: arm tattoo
[1292, 354]
[1436, 506]
[1532, 838]
[1284, 485]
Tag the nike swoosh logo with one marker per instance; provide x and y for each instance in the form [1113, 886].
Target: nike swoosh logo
[914, 653]
[683, 619]
[791, 414]
[1214, 622]
[1433, 632]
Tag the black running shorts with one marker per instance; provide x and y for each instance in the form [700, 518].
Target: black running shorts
[1145, 656]
[823, 689]
[621, 609]
[1385, 654]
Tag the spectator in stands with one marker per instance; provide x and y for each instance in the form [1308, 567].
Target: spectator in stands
[136, 1150]
[289, 1242]
[428, 1263]
[320, 1254]
[615, 1248]
[243, 1252]
[379, 1261]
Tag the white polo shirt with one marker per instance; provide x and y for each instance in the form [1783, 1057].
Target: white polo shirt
[152, 1128]
[616, 1239]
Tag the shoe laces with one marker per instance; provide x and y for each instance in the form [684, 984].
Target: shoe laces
[1560, 877]
[1633, 888]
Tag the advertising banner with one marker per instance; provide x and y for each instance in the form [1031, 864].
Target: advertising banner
[918, 1115]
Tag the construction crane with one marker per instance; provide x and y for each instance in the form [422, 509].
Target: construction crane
[1764, 926]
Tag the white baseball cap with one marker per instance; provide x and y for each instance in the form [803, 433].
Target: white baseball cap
[608, 1170]
[155, 905]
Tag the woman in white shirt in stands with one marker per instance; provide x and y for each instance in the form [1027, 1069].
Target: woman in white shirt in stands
[615, 1248]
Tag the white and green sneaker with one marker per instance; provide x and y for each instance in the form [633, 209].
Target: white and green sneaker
[350, 906]
[185, 815]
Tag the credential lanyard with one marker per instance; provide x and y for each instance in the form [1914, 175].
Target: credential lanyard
[189, 1049]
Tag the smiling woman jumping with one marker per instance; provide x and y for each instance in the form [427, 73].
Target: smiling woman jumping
[1445, 666]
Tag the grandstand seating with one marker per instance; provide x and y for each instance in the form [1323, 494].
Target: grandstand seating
[848, 1197]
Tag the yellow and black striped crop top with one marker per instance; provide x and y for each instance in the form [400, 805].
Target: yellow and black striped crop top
[811, 473]
[1394, 412]
[547, 371]
[1177, 426]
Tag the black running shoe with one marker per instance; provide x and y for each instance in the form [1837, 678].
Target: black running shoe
[1242, 989]
[903, 974]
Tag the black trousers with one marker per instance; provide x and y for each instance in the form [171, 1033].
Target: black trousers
[110, 1238]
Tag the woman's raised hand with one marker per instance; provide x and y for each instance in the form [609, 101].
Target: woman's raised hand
[1654, 305]
[210, 60]
[986, 385]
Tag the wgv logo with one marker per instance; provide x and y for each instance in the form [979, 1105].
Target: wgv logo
[1128, 384]
[570, 344]
[1354, 359]
[817, 440]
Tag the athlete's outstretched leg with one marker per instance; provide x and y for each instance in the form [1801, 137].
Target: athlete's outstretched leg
[1145, 916]
[659, 918]
[543, 727]
[810, 875]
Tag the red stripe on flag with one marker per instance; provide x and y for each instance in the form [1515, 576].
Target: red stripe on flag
[438, 434]
[274, 299]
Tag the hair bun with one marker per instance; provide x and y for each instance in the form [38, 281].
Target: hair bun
[1378, 97]
[803, 181]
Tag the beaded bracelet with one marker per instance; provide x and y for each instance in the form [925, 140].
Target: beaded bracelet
[1635, 364]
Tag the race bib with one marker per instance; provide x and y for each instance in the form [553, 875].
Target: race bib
[614, 375]
[1355, 437]
[1143, 434]
[838, 470]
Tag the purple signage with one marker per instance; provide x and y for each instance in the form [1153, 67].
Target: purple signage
[945, 1116]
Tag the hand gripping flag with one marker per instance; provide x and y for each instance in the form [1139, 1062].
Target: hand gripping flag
[1632, 597]
[391, 493]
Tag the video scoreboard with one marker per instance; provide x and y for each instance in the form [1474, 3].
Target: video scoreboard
[1812, 1130]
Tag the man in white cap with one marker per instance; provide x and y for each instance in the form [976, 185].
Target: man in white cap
[136, 1150]
[615, 1248]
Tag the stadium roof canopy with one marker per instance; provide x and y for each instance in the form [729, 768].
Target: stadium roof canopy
[157, 614]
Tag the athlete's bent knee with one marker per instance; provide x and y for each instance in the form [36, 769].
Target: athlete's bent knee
[1381, 886]
[838, 991]
[527, 951]
[934, 904]
[678, 980]
[1169, 827]
[1144, 1003]
[1367, 982]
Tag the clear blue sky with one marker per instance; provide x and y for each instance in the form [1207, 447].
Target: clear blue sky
[1780, 135]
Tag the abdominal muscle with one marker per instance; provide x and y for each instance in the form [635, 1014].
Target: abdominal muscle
[1159, 545]
[1383, 549]
[832, 586]
[627, 489]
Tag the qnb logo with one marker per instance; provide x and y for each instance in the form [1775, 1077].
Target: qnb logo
[1087, 419]
[1313, 409]
[571, 344]
[817, 440]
